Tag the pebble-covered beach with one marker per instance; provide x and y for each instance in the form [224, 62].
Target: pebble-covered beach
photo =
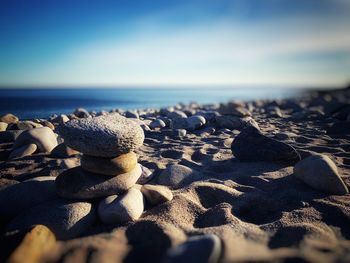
[243, 181]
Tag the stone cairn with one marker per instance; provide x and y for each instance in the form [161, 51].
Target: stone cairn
[109, 168]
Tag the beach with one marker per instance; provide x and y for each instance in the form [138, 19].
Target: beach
[264, 180]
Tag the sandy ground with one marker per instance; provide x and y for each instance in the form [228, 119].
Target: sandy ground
[260, 211]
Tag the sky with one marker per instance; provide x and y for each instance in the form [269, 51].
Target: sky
[174, 42]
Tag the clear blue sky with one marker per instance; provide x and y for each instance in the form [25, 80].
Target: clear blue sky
[175, 42]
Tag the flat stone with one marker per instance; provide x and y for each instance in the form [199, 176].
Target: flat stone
[9, 118]
[320, 173]
[103, 136]
[23, 151]
[18, 197]
[124, 163]
[156, 194]
[65, 219]
[252, 146]
[205, 248]
[79, 184]
[175, 175]
[120, 209]
[3, 126]
[43, 137]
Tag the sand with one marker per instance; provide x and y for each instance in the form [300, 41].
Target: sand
[260, 211]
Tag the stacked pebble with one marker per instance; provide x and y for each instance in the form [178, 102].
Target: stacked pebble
[109, 167]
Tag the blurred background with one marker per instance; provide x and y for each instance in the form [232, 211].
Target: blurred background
[59, 55]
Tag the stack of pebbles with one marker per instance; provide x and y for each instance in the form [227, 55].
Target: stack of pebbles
[109, 168]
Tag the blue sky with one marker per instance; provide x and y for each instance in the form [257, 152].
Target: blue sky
[156, 43]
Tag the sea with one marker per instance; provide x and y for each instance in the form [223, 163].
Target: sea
[29, 103]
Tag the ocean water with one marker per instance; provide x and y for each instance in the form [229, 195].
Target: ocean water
[42, 103]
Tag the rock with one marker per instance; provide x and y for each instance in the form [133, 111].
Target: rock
[18, 197]
[175, 175]
[205, 248]
[80, 184]
[208, 115]
[36, 244]
[82, 113]
[9, 118]
[157, 124]
[252, 146]
[339, 128]
[3, 126]
[146, 175]
[23, 151]
[65, 219]
[120, 209]
[103, 136]
[320, 173]
[46, 123]
[131, 114]
[176, 114]
[195, 122]
[179, 133]
[122, 164]
[234, 122]
[60, 119]
[63, 151]
[43, 137]
[156, 194]
[275, 112]
[9, 136]
[232, 108]
[178, 123]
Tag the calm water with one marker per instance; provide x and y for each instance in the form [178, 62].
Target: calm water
[41, 103]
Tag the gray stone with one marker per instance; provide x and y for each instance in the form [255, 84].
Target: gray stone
[120, 209]
[197, 249]
[208, 115]
[9, 136]
[131, 114]
[63, 151]
[23, 151]
[146, 175]
[320, 173]
[82, 113]
[65, 219]
[18, 197]
[233, 122]
[60, 119]
[195, 122]
[179, 133]
[156, 194]
[3, 126]
[103, 136]
[176, 114]
[43, 137]
[158, 123]
[252, 146]
[79, 184]
[175, 175]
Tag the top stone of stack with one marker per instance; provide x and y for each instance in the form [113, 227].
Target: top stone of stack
[104, 136]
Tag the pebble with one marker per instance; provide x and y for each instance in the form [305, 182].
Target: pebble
[175, 175]
[197, 249]
[43, 137]
[131, 114]
[18, 197]
[252, 146]
[120, 209]
[9, 118]
[156, 194]
[176, 114]
[23, 151]
[82, 113]
[179, 133]
[146, 175]
[3, 126]
[103, 136]
[195, 122]
[232, 122]
[80, 184]
[320, 173]
[124, 163]
[60, 119]
[65, 219]
[157, 124]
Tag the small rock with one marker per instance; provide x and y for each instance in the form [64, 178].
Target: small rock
[60, 119]
[179, 133]
[3, 126]
[82, 113]
[43, 137]
[320, 173]
[205, 248]
[195, 122]
[176, 114]
[252, 146]
[146, 175]
[156, 194]
[80, 184]
[157, 124]
[9, 118]
[234, 109]
[229, 122]
[46, 123]
[65, 219]
[131, 114]
[23, 151]
[63, 151]
[103, 136]
[9, 136]
[124, 163]
[175, 175]
[121, 209]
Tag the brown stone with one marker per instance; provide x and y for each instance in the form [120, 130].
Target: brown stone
[9, 118]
